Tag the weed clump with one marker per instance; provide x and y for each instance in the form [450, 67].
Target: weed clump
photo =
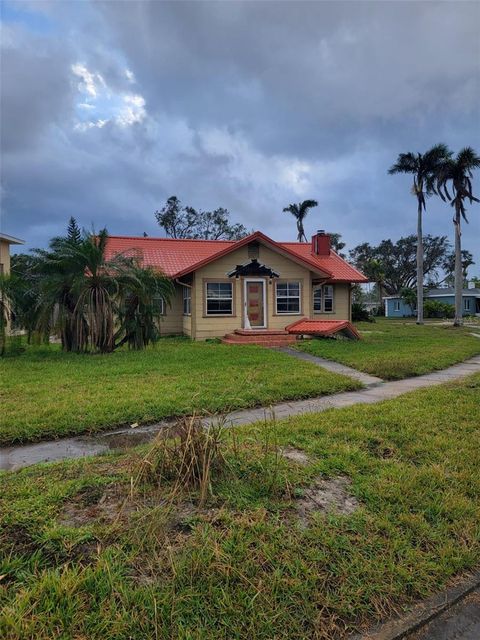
[187, 454]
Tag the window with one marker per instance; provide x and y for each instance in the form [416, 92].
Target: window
[466, 304]
[396, 305]
[317, 300]
[323, 299]
[219, 297]
[187, 301]
[158, 304]
[288, 297]
[328, 298]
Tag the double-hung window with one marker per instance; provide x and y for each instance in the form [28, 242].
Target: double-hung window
[187, 301]
[328, 298]
[288, 297]
[466, 304]
[323, 299]
[219, 299]
[396, 305]
[158, 305]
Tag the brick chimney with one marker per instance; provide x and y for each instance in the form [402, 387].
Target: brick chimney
[321, 243]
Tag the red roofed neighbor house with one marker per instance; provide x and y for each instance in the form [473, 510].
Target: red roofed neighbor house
[252, 285]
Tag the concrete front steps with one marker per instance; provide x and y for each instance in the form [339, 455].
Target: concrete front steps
[262, 337]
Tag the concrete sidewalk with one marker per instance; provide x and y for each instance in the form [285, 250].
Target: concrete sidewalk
[16, 457]
[335, 367]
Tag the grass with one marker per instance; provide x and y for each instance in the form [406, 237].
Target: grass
[242, 567]
[46, 393]
[396, 349]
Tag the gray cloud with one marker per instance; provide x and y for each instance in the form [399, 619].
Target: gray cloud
[247, 105]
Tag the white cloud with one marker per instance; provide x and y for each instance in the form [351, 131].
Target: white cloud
[133, 110]
[90, 83]
[101, 104]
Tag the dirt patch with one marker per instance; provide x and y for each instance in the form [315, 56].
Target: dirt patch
[331, 495]
[295, 455]
[95, 504]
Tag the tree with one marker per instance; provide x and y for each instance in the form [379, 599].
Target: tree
[337, 244]
[74, 234]
[398, 259]
[449, 266]
[299, 212]
[424, 168]
[375, 271]
[409, 297]
[93, 303]
[187, 222]
[456, 174]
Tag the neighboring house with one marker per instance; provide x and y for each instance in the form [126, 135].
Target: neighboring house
[250, 284]
[395, 307]
[5, 242]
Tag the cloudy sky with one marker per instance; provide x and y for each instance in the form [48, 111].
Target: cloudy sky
[108, 108]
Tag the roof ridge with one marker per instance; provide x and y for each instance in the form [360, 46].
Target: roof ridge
[157, 238]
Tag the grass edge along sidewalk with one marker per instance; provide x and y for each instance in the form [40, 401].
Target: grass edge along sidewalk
[242, 563]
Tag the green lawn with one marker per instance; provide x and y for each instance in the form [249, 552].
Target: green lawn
[74, 567]
[46, 393]
[396, 349]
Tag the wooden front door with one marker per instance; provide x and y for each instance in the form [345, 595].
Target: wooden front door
[255, 302]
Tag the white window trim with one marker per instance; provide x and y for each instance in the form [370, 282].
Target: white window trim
[218, 315]
[396, 305]
[332, 298]
[187, 290]
[466, 304]
[289, 313]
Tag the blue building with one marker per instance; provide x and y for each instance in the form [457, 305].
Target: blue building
[395, 307]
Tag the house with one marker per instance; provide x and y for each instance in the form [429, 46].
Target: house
[395, 307]
[5, 242]
[254, 285]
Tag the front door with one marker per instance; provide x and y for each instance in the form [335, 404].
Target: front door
[255, 303]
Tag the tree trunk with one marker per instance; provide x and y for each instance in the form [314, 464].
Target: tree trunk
[419, 265]
[458, 269]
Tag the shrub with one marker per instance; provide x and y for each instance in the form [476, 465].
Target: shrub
[360, 314]
[435, 309]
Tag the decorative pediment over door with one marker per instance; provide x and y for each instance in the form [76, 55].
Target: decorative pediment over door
[251, 269]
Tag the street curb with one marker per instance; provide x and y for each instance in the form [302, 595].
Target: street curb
[423, 613]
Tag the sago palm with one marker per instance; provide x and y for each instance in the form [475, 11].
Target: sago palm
[454, 185]
[299, 212]
[424, 168]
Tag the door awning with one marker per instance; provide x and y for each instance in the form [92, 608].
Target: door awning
[252, 268]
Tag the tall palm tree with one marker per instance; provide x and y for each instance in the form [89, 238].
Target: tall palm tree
[299, 212]
[424, 168]
[456, 174]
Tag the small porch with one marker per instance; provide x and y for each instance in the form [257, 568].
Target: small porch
[289, 335]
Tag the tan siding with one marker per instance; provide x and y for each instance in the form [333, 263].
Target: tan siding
[211, 327]
[341, 304]
[172, 323]
[5, 256]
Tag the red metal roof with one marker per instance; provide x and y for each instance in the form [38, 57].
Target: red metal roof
[179, 257]
[340, 269]
[322, 328]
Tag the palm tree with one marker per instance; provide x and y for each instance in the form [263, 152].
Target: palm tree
[424, 168]
[457, 173]
[299, 212]
[97, 303]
